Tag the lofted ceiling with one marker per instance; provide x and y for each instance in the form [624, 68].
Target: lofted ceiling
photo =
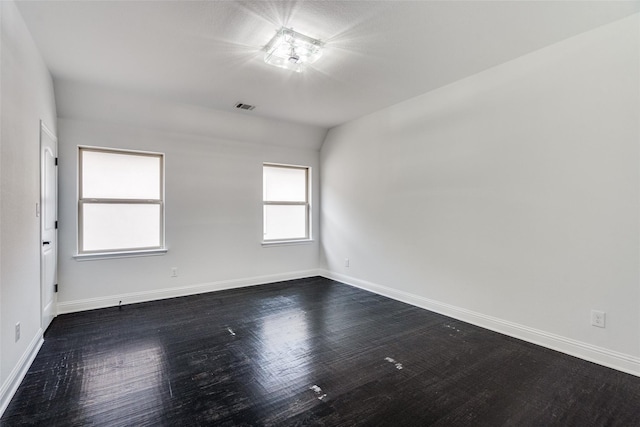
[378, 53]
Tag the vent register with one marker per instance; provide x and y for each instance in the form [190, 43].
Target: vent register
[243, 106]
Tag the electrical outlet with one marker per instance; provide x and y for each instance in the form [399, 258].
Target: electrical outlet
[598, 318]
[17, 331]
[346, 262]
[174, 271]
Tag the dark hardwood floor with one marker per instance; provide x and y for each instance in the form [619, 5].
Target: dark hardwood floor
[305, 352]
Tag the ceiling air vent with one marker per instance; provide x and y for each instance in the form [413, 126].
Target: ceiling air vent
[242, 106]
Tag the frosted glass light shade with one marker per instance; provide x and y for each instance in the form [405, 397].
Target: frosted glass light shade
[292, 50]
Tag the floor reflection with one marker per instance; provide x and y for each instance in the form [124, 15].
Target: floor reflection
[129, 378]
[285, 350]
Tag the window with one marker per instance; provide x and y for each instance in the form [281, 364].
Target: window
[120, 201]
[285, 203]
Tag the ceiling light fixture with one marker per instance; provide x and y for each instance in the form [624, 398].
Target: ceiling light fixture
[291, 50]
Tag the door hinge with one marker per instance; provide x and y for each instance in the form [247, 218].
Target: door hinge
[56, 225]
[55, 288]
[56, 161]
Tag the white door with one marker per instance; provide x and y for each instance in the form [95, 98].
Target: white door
[48, 223]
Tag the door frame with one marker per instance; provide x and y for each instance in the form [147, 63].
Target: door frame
[44, 130]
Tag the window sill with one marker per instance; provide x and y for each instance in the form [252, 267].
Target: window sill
[123, 254]
[287, 242]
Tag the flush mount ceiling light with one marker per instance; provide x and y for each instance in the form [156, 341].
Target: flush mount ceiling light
[291, 50]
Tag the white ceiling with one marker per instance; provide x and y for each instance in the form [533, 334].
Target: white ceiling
[378, 53]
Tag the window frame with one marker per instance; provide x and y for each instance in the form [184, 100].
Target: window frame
[306, 204]
[82, 201]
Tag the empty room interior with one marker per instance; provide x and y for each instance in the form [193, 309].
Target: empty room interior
[320, 213]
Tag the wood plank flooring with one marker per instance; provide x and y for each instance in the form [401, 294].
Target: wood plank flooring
[306, 352]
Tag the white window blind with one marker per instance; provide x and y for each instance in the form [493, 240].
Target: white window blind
[120, 201]
[286, 207]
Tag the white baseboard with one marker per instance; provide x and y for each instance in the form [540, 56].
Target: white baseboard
[158, 294]
[10, 386]
[602, 356]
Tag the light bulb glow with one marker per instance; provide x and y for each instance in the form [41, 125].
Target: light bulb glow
[291, 50]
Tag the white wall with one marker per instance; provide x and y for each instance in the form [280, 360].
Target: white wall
[213, 197]
[509, 199]
[27, 97]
